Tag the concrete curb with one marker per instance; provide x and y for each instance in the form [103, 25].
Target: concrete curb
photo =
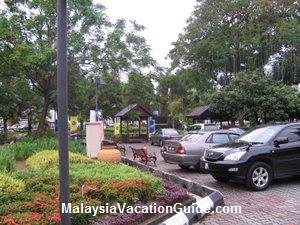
[197, 210]
[211, 197]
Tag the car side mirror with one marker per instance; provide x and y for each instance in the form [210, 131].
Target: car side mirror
[281, 140]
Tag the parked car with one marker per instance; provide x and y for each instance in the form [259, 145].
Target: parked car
[266, 153]
[188, 151]
[161, 135]
[238, 130]
[195, 128]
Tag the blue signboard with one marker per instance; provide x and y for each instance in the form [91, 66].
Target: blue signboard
[152, 126]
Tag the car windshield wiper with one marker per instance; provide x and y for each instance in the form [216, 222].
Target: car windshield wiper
[256, 143]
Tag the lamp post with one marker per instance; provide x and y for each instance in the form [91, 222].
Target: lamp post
[99, 81]
[62, 100]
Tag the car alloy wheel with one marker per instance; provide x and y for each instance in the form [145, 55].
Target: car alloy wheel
[260, 177]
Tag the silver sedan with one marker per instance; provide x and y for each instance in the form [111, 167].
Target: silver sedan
[188, 151]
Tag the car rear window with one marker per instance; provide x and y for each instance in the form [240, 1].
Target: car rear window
[170, 132]
[192, 137]
[210, 127]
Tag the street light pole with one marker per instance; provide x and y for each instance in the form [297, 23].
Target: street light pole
[62, 101]
[97, 107]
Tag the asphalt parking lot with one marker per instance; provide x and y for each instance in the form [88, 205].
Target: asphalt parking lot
[280, 204]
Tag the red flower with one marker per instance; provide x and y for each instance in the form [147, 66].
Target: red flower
[54, 217]
[35, 216]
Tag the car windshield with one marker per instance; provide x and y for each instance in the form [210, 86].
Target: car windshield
[259, 135]
[191, 137]
[171, 132]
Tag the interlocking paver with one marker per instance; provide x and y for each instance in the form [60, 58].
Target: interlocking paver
[280, 204]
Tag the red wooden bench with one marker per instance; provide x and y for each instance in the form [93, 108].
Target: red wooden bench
[140, 153]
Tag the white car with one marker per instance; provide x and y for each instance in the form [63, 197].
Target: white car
[195, 128]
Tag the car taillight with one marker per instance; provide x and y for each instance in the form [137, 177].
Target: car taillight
[181, 150]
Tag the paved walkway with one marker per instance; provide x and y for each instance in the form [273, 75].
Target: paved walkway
[280, 204]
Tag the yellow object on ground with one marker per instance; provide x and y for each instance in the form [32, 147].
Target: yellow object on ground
[109, 155]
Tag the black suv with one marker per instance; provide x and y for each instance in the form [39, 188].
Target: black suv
[257, 157]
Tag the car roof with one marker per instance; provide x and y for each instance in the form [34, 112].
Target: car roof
[215, 131]
[281, 124]
[200, 124]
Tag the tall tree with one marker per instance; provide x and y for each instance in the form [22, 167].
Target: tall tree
[224, 37]
[94, 44]
[139, 89]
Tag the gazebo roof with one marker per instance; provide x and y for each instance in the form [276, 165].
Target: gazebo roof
[134, 107]
[199, 111]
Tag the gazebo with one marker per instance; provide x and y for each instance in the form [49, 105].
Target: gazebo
[202, 113]
[133, 118]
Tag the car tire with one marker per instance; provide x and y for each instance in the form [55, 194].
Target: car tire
[184, 167]
[161, 143]
[201, 170]
[220, 179]
[259, 176]
[151, 142]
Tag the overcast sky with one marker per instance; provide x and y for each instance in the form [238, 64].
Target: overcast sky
[163, 19]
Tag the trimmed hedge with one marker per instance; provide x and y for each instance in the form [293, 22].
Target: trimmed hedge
[9, 185]
[48, 158]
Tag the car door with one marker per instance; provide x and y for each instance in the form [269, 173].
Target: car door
[287, 156]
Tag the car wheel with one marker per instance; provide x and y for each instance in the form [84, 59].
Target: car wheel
[161, 143]
[198, 168]
[220, 179]
[184, 167]
[259, 176]
[151, 142]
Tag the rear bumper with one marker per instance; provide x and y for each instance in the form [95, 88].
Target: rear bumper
[234, 170]
[186, 160]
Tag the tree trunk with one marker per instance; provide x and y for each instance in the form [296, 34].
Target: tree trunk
[5, 127]
[42, 120]
[29, 125]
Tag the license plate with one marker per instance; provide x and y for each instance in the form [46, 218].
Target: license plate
[206, 166]
[171, 149]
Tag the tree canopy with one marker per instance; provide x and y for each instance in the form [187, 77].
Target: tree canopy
[255, 97]
[224, 37]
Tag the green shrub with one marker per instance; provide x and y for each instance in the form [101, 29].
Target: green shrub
[7, 161]
[27, 146]
[48, 158]
[2, 138]
[9, 185]
[128, 190]
[105, 173]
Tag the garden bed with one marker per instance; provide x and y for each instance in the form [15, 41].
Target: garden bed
[30, 195]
